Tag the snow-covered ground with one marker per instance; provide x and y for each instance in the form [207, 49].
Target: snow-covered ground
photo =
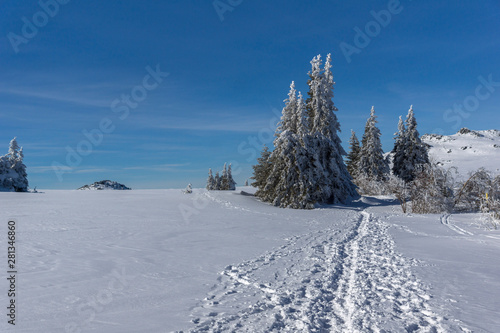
[466, 150]
[161, 261]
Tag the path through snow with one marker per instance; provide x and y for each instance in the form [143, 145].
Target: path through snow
[326, 281]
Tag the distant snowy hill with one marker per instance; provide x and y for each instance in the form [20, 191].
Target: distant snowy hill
[466, 150]
[105, 185]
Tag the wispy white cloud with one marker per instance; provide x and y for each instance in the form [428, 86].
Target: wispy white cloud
[159, 167]
[93, 170]
[56, 96]
[47, 168]
[81, 170]
[67, 169]
[236, 121]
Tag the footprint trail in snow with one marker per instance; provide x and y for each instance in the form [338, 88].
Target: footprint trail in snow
[326, 281]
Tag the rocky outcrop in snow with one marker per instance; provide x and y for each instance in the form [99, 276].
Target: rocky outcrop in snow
[465, 150]
[105, 185]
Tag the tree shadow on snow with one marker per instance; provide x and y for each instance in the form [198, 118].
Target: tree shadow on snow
[362, 203]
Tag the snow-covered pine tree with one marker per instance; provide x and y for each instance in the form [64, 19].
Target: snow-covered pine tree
[217, 180]
[189, 189]
[230, 180]
[301, 119]
[353, 156]
[13, 153]
[22, 181]
[333, 181]
[398, 151]
[314, 83]
[224, 181]
[261, 171]
[372, 164]
[13, 176]
[210, 181]
[415, 152]
[4, 170]
[285, 186]
[273, 190]
[306, 161]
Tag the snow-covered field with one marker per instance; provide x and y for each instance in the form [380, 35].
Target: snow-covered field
[161, 261]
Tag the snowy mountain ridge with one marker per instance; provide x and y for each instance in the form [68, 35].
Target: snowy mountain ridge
[105, 185]
[467, 150]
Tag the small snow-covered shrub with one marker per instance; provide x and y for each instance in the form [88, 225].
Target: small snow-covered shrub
[431, 191]
[490, 204]
[188, 189]
[491, 212]
[368, 186]
[473, 191]
[399, 188]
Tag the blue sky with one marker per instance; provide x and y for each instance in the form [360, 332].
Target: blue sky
[229, 70]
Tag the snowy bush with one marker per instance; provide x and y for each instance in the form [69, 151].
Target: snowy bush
[431, 190]
[188, 189]
[399, 188]
[370, 186]
[481, 192]
[473, 191]
[491, 211]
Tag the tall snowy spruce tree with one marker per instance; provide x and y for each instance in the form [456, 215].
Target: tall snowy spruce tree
[217, 181]
[13, 176]
[410, 154]
[210, 181]
[285, 185]
[372, 164]
[399, 148]
[333, 183]
[231, 184]
[307, 164]
[353, 156]
[261, 171]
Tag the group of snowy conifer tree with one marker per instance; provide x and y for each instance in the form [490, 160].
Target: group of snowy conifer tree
[367, 165]
[225, 182]
[13, 176]
[306, 165]
[417, 184]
